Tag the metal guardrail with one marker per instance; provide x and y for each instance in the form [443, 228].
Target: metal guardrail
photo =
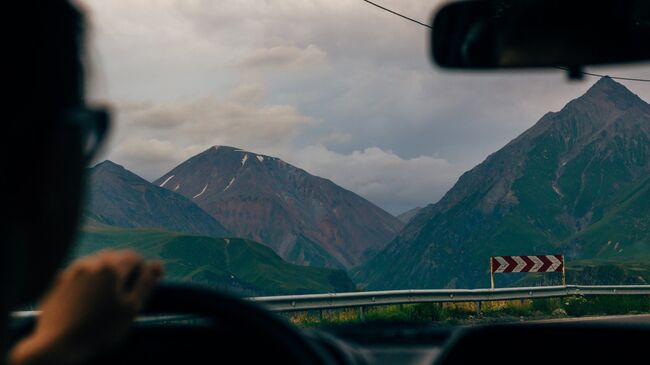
[289, 303]
[361, 299]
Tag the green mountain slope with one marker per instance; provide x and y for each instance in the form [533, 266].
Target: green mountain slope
[544, 192]
[624, 231]
[237, 265]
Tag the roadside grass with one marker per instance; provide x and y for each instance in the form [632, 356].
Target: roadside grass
[467, 313]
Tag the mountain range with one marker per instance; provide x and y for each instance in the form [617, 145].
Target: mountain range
[304, 218]
[124, 210]
[308, 220]
[575, 183]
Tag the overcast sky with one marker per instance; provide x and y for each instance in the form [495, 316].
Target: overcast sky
[337, 87]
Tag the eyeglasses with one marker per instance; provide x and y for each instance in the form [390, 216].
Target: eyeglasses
[92, 123]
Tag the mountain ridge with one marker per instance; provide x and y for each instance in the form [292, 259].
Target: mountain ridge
[409, 214]
[118, 197]
[537, 191]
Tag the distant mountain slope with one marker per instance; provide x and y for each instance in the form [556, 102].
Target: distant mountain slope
[304, 218]
[120, 198]
[409, 214]
[234, 264]
[624, 231]
[533, 196]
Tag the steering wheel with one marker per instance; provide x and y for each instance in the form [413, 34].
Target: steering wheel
[222, 328]
[227, 314]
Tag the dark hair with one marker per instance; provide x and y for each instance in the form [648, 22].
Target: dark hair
[48, 65]
[44, 74]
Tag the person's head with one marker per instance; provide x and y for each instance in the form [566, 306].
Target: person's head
[45, 145]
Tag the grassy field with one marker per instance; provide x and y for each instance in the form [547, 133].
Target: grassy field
[491, 312]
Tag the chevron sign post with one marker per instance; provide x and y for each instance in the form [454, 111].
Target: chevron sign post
[541, 263]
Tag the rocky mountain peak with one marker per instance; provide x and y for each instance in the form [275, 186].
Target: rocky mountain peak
[108, 165]
[606, 91]
[306, 219]
[607, 86]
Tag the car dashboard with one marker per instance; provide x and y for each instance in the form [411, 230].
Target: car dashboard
[193, 340]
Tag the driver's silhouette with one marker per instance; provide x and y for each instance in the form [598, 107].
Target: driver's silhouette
[49, 136]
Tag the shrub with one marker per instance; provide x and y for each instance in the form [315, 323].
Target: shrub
[427, 312]
[576, 306]
[606, 305]
[559, 312]
[546, 305]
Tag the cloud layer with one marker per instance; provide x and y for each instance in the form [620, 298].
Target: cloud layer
[379, 175]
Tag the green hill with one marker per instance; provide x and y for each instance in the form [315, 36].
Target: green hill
[237, 265]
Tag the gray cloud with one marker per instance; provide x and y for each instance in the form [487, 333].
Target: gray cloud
[284, 57]
[153, 136]
[156, 136]
[381, 176]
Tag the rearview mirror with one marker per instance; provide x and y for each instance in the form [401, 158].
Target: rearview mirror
[484, 34]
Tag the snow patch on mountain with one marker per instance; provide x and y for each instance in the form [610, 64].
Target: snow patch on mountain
[201, 193]
[166, 181]
[229, 184]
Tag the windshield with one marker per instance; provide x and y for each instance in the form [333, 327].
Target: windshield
[302, 147]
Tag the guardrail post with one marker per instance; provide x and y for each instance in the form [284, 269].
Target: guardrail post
[320, 315]
[491, 274]
[362, 316]
[478, 308]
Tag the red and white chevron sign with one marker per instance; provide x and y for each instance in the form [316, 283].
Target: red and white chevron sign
[543, 263]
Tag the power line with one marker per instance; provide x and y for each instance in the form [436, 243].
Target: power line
[398, 14]
[599, 75]
[558, 67]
